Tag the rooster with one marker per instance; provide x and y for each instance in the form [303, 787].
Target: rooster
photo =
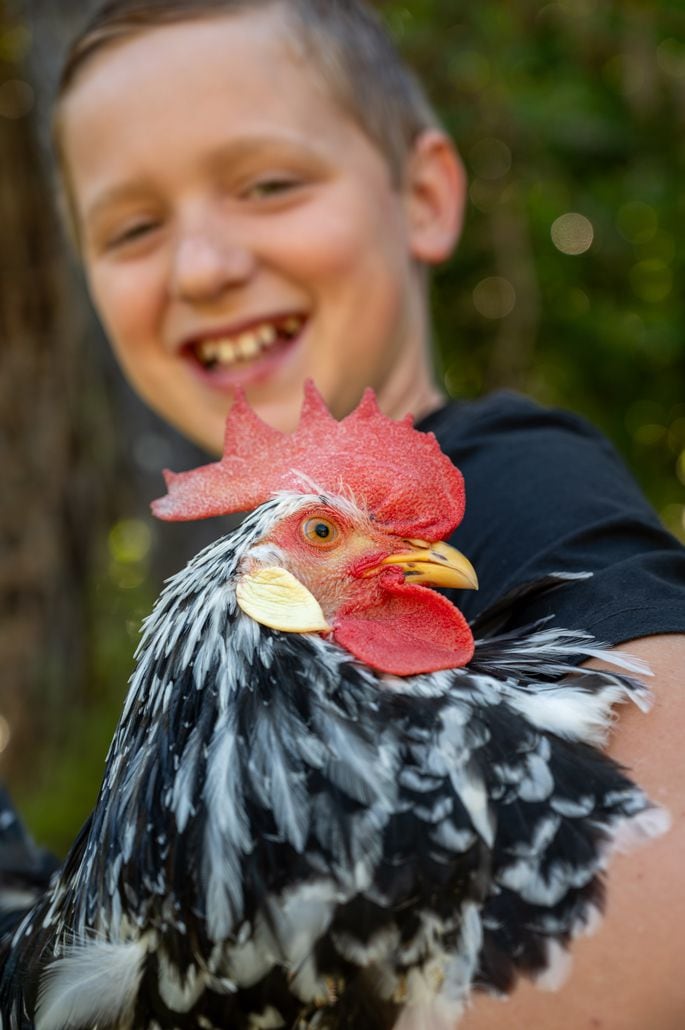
[324, 805]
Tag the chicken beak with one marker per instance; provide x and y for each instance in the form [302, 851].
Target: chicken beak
[436, 565]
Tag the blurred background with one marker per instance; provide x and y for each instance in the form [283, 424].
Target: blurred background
[570, 117]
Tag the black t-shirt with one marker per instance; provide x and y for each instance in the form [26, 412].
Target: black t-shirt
[545, 493]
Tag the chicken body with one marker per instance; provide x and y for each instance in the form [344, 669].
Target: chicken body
[286, 836]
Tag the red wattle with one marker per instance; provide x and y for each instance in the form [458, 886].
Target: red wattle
[410, 631]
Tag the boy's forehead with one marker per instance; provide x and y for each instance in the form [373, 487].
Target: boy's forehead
[250, 66]
[230, 83]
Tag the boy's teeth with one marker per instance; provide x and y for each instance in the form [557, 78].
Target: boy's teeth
[248, 345]
[267, 335]
[210, 351]
[228, 350]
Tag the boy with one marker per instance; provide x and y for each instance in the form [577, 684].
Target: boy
[256, 189]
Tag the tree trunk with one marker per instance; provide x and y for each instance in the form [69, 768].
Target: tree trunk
[51, 403]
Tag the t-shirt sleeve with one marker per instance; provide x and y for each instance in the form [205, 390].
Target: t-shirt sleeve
[547, 493]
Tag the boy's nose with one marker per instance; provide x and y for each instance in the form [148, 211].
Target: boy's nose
[205, 265]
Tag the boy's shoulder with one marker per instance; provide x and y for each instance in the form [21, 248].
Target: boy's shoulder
[546, 492]
[504, 412]
[505, 441]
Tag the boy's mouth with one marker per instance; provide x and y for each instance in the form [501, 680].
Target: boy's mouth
[228, 351]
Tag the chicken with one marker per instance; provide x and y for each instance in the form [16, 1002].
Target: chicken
[324, 806]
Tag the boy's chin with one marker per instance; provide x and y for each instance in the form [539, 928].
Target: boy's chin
[208, 433]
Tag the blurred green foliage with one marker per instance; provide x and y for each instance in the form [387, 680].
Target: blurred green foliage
[569, 117]
[562, 109]
[63, 785]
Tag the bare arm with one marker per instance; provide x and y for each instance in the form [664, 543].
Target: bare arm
[631, 974]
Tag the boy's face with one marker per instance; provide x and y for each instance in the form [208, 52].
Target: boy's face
[238, 227]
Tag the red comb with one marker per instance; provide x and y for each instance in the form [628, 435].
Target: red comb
[391, 469]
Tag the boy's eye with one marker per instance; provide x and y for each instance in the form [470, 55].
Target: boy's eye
[266, 188]
[131, 233]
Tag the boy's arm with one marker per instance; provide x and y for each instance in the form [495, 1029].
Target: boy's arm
[631, 974]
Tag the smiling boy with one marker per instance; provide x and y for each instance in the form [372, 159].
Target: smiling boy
[262, 243]
[256, 190]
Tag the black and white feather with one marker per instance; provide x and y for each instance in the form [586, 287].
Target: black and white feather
[284, 838]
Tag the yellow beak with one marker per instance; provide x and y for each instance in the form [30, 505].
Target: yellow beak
[437, 565]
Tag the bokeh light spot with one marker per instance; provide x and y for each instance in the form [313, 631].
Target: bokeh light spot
[637, 222]
[662, 245]
[471, 70]
[577, 303]
[494, 297]
[676, 434]
[650, 434]
[490, 158]
[572, 233]
[670, 56]
[642, 411]
[15, 42]
[152, 452]
[463, 379]
[130, 541]
[127, 577]
[651, 280]
[485, 195]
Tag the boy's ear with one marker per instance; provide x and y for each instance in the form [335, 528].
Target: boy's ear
[435, 190]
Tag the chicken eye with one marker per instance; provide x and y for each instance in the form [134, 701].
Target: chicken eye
[320, 532]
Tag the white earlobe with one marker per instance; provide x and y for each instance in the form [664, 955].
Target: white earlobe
[275, 598]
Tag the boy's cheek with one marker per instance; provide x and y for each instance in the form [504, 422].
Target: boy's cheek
[125, 303]
[338, 234]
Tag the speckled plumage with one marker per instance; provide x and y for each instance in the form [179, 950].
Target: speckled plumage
[285, 837]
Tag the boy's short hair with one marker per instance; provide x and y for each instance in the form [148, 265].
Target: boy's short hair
[344, 38]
